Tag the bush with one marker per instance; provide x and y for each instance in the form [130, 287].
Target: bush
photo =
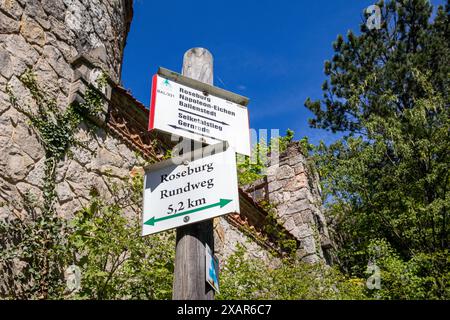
[250, 278]
[116, 261]
[425, 276]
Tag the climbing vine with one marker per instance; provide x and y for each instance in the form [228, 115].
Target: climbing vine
[276, 231]
[56, 129]
[116, 261]
[102, 239]
[283, 142]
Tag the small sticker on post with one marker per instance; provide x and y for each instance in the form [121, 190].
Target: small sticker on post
[212, 269]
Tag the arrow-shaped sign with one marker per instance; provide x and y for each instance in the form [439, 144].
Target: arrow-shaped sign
[204, 135]
[199, 115]
[222, 203]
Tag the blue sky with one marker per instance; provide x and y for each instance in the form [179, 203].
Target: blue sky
[270, 51]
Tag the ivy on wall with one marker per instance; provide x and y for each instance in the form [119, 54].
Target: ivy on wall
[105, 243]
[35, 248]
[56, 129]
[276, 231]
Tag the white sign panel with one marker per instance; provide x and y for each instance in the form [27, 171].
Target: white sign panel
[193, 114]
[178, 192]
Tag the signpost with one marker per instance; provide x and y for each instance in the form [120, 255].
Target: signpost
[188, 191]
[179, 191]
[198, 111]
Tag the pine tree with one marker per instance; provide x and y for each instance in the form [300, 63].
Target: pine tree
[388, 178]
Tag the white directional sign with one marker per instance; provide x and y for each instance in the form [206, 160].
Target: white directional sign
[198, 111]
[178, 192]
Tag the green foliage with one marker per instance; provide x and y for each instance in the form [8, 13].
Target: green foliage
[167, 154]
[276, 231]
[34, 251]
[116, 261]
[388, 90]
[305, 146]
[252, 168]
[56, 129]
[283, 142]
[244, 277]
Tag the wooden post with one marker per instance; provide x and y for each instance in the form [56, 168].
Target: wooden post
[189, 277]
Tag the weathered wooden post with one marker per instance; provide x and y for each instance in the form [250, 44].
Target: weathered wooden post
[189, 278]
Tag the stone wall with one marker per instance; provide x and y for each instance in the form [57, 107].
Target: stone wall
[66, 43]
[229, 236]
[292, 187]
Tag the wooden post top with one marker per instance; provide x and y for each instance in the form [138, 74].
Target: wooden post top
[198, 64]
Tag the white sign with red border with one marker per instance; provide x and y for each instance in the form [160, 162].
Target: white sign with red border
[197, 111]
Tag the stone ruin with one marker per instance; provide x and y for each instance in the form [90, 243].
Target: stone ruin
[67, 43]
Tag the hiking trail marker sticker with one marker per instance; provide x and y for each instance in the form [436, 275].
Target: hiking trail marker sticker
[198, 111]
[197, 186]
[212, 268]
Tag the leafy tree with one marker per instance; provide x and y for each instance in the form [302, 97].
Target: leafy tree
[388, 178]
[424, 276]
